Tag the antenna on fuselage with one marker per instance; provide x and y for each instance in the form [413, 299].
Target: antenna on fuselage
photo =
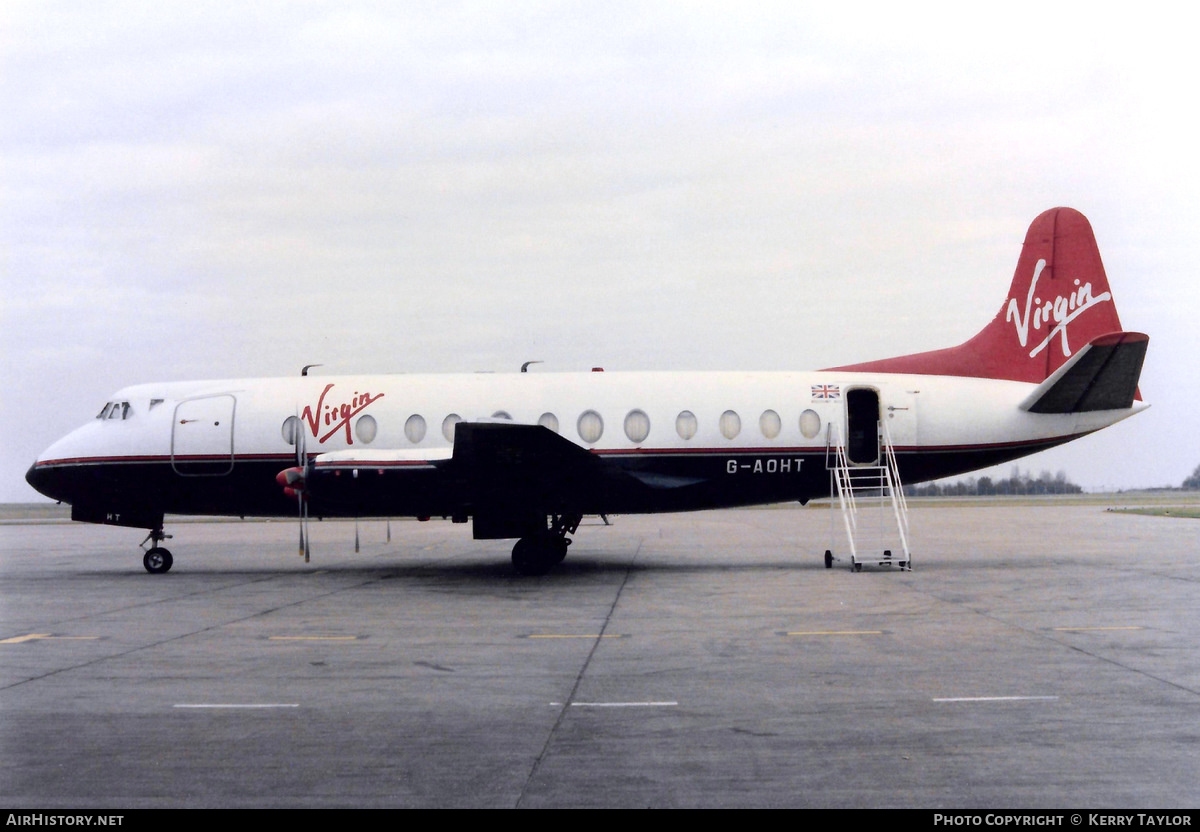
[304, 371]
[525, 366]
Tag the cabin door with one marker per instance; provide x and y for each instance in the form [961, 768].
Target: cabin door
[862, 426]
[202, 436]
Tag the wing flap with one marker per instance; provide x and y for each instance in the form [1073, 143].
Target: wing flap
[381, 458]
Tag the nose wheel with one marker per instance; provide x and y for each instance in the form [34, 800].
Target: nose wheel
[157, 560]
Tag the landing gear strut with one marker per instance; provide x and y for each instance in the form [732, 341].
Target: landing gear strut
[538, 553]
[157, 559]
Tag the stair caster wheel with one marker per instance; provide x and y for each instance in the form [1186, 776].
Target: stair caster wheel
[828, 559]
[858, 567]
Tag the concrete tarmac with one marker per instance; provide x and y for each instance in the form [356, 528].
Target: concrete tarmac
[1037, 657]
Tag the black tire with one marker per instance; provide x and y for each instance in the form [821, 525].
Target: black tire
[858, 567]
[531, 556]
[828, 559]
[157, 561]
[558, 548]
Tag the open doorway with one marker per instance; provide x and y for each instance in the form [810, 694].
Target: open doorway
[862, 426]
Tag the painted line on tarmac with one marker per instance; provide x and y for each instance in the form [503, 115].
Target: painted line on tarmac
[617, 704]
[836, 633]
[573, 635]
[1093, 629]
[313, 638]
[997, 699]
[45, 637]
[233, 705]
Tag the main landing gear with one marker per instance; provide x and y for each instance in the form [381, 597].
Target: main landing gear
[157, 559]
[538, 553]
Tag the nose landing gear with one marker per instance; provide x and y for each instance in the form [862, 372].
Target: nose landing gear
[157, 559]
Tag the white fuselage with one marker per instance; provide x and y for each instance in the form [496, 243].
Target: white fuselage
[743, 425]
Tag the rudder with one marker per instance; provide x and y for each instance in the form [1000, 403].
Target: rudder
[1059, 301]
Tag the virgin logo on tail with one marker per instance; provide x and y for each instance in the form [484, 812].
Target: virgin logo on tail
[1061, 310]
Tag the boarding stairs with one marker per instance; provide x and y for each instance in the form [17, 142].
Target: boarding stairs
[869, 500]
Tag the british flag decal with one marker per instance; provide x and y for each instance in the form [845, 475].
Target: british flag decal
[826, 392]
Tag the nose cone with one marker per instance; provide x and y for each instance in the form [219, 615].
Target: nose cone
[45, 482]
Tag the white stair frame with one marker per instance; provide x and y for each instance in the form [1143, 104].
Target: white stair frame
[855, 490]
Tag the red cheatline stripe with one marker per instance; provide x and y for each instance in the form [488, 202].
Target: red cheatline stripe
[900, 449]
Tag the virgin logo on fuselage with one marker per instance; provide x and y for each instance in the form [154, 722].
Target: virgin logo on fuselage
[336, 416]
[1061, 310]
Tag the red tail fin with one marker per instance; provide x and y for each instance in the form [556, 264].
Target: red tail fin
[1058, 302]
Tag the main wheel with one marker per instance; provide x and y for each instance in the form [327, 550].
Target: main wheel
[157, 561]
[534, 556]
[558, 548]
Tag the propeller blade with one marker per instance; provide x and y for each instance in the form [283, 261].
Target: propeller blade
[307, 534]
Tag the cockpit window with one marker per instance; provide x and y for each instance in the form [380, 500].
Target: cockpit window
[115, 410]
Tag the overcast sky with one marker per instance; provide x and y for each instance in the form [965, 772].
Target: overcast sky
[194, 190]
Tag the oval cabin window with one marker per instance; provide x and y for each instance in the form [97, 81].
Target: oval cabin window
[366, 428]
[414, 428]
[288, 429]
[637, 426]
[770, 424]
[590, 426]
[685, 424]
[730, 424]
[448, 426]
[810, 424]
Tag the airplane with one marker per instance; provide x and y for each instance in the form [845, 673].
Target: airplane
[527, 455]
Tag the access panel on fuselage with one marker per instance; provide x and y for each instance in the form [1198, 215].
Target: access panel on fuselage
[202, 436]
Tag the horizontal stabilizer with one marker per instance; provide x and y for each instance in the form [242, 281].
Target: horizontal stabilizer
[1101, 376]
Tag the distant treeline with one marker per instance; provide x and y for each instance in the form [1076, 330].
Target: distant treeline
[1018, 483]
[1192, 483]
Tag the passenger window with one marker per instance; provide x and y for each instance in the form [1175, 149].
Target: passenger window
[810, 424]
[448, 426]
[414, 428]
[590, 426]
[685, 424]
[637, 426]
[731, 424]
[770, 424]
[366, 429]
[549, 420]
